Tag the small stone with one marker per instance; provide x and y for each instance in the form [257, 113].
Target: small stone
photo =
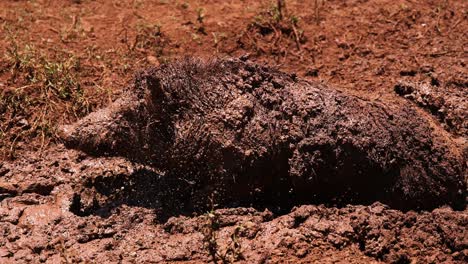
[23, 123]
[109, 232]
[5, 253]
[152, 60]
[7, 188]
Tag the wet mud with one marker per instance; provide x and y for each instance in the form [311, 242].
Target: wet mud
[101, 210]
[448, 104]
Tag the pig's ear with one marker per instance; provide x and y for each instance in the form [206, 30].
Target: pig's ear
[153, 88]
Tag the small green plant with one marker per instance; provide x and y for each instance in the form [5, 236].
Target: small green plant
[20, 60]
[200, 15]
[72, 32]
[200, 20]
[48, 85]
[209, 233]
[318, 4]
[196, 38]
[218, 38]
[185, 5]
[232, 251]
[149, 37]
[278, 21]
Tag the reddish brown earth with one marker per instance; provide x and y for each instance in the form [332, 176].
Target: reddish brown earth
[107, 210]
[63, 59]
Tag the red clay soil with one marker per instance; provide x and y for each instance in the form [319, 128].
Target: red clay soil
[63, 59]
[89, 209]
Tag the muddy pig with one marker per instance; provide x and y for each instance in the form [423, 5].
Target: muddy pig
[238, 132]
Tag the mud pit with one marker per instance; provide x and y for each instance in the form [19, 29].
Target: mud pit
[60, 205]
[85, 209]
[258, 144]
[241, 134]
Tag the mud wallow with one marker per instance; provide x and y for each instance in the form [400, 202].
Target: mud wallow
[237, 133]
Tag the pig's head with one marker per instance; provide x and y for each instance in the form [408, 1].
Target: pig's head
[145, 122]
[137, 126]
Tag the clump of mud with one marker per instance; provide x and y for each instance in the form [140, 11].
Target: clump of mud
[449, 105]
[234, 133]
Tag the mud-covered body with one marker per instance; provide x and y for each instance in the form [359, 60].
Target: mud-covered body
[236, 131]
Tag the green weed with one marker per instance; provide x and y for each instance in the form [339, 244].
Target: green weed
[48, 90]
[232, 252]
[278, 21]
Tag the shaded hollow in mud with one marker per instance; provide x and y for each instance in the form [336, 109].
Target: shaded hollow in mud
[231, 132]
[143, 188]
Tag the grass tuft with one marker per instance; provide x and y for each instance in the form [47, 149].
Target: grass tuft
[48, 90]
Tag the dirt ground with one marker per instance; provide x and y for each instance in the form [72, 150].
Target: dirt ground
[64, 59]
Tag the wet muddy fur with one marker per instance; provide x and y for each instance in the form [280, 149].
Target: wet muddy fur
[233, 132]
